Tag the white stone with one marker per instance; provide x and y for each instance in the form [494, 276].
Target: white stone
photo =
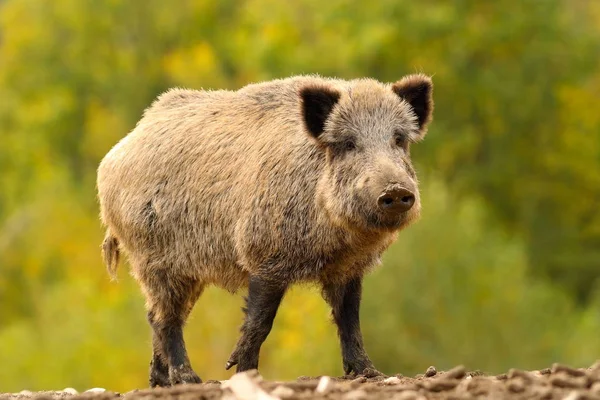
[245, 388]
[95, 390]
[70, 390]
[392, 380]
[324, 384]
[282, 392]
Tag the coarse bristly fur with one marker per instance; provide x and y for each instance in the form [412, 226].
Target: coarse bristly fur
[276, 183]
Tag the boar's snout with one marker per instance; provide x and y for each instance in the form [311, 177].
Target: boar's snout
[396, 200]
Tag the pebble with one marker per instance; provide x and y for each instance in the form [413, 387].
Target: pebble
[282, 392]
[245, 387]
[527, 376]
[95, 390]
[516, 385]
[431, 371]
[70, 391]
[392, 380]
[568, 370]
[458, 372]
[324, 384]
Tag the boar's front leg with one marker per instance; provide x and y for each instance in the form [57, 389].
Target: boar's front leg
[264, 297]
[344, 300]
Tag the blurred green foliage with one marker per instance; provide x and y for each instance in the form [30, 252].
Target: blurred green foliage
[500, 272]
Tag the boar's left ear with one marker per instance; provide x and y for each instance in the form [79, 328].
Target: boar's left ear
[317, 104]
[416, 90]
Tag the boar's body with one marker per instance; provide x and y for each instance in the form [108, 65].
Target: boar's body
[213, 185]
[222, 187]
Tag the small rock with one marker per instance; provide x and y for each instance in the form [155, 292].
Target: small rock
[357, 394]
[392, 380]
[95, 390]
[324, 384]
[282, 392]
[458, 372]
[431, 371]
[527, 376]
[70, 391]
[477, 372]
[244, 386]
[516, 385]
[566, 369]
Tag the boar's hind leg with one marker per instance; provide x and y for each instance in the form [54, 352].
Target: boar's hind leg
[159, 369]
[344, 300]
[262, 303]
[170, 303]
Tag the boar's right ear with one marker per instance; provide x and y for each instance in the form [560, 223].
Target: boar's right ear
[317, 104]
[416, 90]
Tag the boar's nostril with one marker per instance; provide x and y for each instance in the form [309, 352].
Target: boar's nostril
[396, 200]
[387, 201]
[409, 200]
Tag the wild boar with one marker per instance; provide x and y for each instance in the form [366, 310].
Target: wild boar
[299, 179]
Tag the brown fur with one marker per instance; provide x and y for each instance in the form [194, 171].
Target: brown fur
[215, 187]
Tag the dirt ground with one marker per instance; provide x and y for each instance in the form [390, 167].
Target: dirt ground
[558, 382]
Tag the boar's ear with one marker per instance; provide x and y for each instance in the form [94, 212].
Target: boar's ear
[317, 104]
[416, 90]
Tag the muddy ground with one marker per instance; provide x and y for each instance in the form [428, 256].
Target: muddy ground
[558, 382]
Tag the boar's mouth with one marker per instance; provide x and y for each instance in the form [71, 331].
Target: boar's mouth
[380, 221]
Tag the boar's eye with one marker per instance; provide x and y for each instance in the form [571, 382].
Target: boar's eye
[349, 145]
[401, 140]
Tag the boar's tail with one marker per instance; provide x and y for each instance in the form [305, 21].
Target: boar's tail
[111, 254]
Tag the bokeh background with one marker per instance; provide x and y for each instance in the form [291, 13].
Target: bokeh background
[502, 271]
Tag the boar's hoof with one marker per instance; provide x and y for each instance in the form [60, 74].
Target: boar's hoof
[230, 364]
[159, 374]
[183, 374]
[371, 373]
[364, 368]
[159, 379]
